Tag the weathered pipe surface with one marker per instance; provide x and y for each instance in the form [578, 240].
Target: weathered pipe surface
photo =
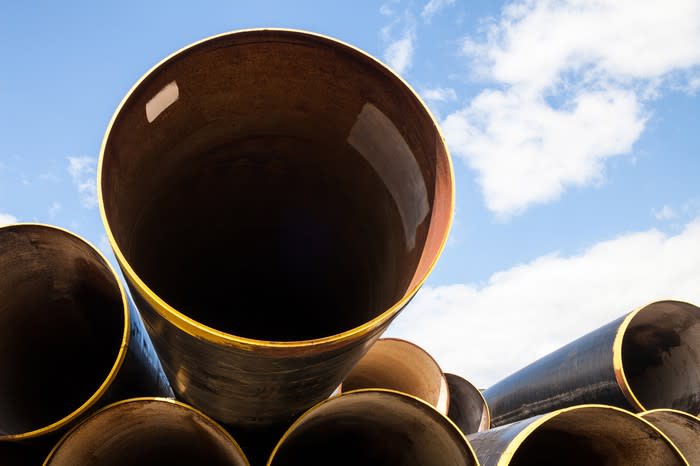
[318, 194]
[644, 360]
[69, 340]
[682, 428]
[146, 432]
[468, 408]
[373, 427]
[403, 366]
[583, 435]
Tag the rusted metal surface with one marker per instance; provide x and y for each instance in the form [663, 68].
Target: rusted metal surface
[274, 199]
[69, 340]
[646, 359]
[373, 427]
[682, 428]
[144, 432]
[468, 408]
[579, 436]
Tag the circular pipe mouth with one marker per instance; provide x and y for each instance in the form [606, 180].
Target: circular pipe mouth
[590, 434]
[299, 163]
[64, 329]
[373, 427]
[468, 407]
[144, 432]
[655, 356]
[403, 366]
[682, 428]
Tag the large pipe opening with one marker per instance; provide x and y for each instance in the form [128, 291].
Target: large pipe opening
[403, 366]
[468, 408]
[595, 435]
[276, 185]
[682, 428]
[373, 427]
[146, 432]
[62, 321]
[660, 354]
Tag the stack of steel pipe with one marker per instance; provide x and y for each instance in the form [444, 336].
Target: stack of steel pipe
[274, 198]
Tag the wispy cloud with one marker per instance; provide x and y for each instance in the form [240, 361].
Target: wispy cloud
[486, 331]
[82, 172]
[399, 36]
[6, 219]
[571, 79]
[433, 7]
[439, 94]
[54, 209]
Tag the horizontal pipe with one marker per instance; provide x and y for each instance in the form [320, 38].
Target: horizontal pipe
[145, 432]
[69, 340]
[317, 192]
[682, 428]
[582, 435]
[643, 360]
[468, 408]
[403, 366]
[374, 426]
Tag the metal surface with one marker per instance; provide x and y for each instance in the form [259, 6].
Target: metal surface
[646, 359]
[373, 427]
[468, 408]
[682, 428]
[584, 435]
[274, 199]
[402, 366]
[146, 432]
[69, 341]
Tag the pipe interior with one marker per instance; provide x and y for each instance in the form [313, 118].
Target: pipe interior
[274, 185]
[682, 429]
[467, 407]
[373, 428]
[146, 433]
[595, 436]
[61, 326]
[660, 354]
[402, 366]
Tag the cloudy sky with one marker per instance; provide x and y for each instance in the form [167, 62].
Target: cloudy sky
[573, 127]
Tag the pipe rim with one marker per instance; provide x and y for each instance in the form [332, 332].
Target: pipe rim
[148, 398]
[430, 407]
[210, 334]
[121, 355]
[671, 411]
[518, 440]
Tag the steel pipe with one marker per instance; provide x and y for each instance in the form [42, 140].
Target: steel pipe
[274, 199]
[468, 408]
[69, 341]
[682, 428]
[579, 436]
[403, 366]
[145, 432]
[377, 427]
[644, 360]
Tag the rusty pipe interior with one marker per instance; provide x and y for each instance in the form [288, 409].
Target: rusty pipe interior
[62, 322]
[373, 427]
[468, 408]
[682, 428]
[403, 366]
[275, 160]
[660, 354]
[145, 432]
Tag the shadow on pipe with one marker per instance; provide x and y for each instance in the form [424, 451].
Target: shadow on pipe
[646, 359]
[274, 199]
[403, 366]
[468, 408]
[145, 432]
[580, 436]
[373, 427]
[69, 341]
[682, 428]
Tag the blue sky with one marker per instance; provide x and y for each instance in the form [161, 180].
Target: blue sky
[573, 127]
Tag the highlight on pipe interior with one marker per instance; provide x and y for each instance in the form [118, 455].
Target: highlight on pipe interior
[64, 326]
[301, 164]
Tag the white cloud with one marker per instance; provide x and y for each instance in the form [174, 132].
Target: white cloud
[487, 331]
[597, 60]
[434, 6]
[439, 94]
[82, 171]
[665, 213]
[6, 219]
[54, 209]
[399, 53]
